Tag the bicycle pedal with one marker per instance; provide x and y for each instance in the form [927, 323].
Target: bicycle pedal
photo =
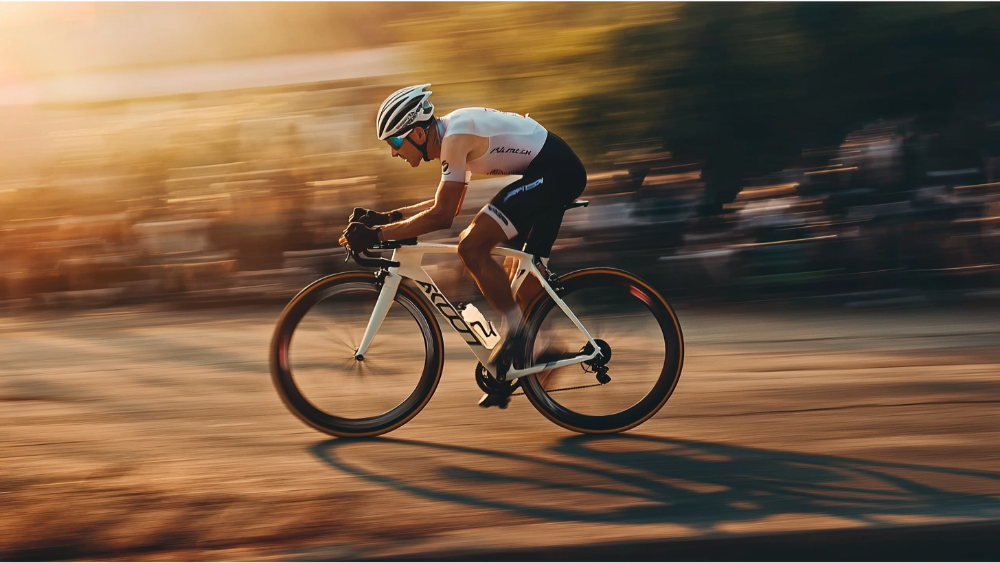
[494, 400]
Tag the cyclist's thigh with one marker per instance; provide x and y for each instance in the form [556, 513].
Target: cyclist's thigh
[544, 233]
[566, 185]
[532, 207]
[485, 232]
[517, 206]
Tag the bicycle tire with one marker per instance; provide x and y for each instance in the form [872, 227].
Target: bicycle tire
[666, 381]
[283, 372]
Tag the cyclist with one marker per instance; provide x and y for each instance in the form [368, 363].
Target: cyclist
[527, 211]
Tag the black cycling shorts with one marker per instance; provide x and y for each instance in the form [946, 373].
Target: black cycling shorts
[531, 209]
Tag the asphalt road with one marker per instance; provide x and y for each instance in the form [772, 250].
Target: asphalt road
[155, 433]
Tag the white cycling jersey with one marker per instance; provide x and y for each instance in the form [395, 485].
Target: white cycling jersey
[514, 142]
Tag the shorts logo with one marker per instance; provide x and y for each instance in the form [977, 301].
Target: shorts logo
[498, 214]
[444, 167]
[523, 188]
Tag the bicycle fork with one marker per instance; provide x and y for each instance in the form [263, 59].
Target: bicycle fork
[390, 283]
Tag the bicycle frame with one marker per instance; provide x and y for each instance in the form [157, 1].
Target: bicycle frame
[410, 259]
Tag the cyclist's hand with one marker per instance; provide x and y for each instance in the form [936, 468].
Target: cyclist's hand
[370, 218]
[358, 214]
[358, 237]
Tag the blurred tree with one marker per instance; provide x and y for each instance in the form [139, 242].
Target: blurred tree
[745, 87]
[742, 87]
[546, 58]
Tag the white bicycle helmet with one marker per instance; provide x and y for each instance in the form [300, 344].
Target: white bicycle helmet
[401, 111]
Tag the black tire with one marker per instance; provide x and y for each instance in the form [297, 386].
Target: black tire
[338, 301]
[662, 377]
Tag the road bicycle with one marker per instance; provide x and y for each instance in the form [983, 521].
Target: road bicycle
[356, 354]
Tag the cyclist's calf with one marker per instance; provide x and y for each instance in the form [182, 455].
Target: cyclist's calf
[529, 287]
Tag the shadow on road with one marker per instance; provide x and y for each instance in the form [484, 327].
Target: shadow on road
[642, 479]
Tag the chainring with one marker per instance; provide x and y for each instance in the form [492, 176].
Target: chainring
[490, 384]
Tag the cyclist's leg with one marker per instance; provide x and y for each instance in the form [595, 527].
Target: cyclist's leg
[536, 203]
[569, 183]
[554, 179]
[568, 178]
[474, 247]
[507, 218]
[490, 228]
[539, 243]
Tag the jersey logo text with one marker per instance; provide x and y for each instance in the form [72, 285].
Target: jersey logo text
[511, 150]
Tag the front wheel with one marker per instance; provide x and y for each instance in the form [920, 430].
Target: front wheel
[316, 373]
[642, 344]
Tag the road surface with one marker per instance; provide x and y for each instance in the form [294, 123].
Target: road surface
[154, 433]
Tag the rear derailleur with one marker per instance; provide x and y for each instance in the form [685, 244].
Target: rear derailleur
[598, 365]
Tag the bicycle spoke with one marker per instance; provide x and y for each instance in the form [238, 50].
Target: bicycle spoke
[352, 331]
[342, 340]
[370, 366]
[597, 326]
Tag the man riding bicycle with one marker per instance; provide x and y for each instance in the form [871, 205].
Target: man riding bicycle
[527, 211]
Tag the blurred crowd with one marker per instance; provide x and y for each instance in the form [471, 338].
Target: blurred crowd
[198, 196]
[213, 199]
[115, 188]
[892, 214]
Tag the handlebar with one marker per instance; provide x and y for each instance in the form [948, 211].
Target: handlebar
[373, 261]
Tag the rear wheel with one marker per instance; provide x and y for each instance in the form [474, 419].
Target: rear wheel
[316, 373]
[642, 352]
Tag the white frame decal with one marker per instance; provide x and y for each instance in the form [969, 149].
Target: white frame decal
[410, 260]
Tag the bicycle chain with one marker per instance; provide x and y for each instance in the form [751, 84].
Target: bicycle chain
[563, 389]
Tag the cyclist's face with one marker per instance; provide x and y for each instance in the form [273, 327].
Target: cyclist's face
[406, 149]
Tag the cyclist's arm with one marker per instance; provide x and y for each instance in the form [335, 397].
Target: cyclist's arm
[412, 210]
[445, 205]
[447, 201]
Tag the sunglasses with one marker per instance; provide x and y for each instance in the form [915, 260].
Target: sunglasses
[397, 142]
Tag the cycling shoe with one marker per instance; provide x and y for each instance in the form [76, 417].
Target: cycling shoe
[503, 355]
[501, 400]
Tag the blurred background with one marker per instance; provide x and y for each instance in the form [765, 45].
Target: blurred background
[750, 160]
[210, 153]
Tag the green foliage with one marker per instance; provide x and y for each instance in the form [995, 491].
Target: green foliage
[537, 57]
[743, 87]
